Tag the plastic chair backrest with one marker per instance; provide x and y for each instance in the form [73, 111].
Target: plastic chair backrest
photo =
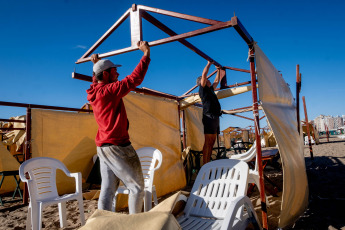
[247, 156]
[42, 176]
[149, 157]
[218, 183]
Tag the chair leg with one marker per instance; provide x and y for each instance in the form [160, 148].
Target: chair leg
[36, 216]
[81, 210]
[62, 214]
[154, 193]
[28, 218]
[257, 182]
[114, 201]
[147, 201]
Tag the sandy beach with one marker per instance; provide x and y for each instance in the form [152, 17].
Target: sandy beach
[326, 199]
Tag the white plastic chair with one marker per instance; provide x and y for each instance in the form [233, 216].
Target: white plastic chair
[306, 141]
[253, 173]
[40, 175]
[148, 157]
[218, 200]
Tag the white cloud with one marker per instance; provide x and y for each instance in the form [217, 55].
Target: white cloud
[81, 47]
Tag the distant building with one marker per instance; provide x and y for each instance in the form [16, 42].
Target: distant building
[338, 122]
[320, 123]
[333, 123]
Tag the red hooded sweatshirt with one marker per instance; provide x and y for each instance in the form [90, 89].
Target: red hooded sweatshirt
[108, 107]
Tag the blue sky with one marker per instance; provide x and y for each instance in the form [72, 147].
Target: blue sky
[42, 40]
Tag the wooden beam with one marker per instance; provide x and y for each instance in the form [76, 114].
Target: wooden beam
[308, 131]
[179, 15]
[234, 85]
[10, 120]
[170, 32]
[237, 69]
[223, 81]
[219, 26]
[210, 75]
[34, 106]
[136, 26]
[138, 90]
[106, 35]
[242, 117]
[242, 31]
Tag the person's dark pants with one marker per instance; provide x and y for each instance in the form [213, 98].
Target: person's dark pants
[211, 129]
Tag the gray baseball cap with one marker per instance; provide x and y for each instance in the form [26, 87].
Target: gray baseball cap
[102, 65]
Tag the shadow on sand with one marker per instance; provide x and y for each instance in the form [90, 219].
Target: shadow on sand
[326, 194]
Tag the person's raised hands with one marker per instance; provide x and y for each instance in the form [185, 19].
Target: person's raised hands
[144, 46]
[95, 58]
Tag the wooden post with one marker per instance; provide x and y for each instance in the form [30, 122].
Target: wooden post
[298, 90]
[258, 141]
[27, 150]
[184, 129]
[308, 131]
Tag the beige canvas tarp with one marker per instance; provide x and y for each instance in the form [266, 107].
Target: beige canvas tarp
[160, 217]
[7, 163]
[279, 107]
[154, 122]
[106, 220]
[194, 128]
[69, 137]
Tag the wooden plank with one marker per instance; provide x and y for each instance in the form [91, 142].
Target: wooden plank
[219, 26]
[179, 15]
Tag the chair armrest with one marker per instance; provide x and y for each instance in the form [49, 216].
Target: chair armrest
[236, 210]
[78, 180]
[158, 166]
[22, 175]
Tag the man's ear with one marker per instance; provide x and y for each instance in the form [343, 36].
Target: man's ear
[105, 77]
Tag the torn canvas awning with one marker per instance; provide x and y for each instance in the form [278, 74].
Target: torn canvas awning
[279, 107]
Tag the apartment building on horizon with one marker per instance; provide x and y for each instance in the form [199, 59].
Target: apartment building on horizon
[331, 122]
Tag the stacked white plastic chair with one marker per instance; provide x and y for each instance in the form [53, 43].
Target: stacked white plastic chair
[40, 175]
[218, 200]
[306, 141]
[148, 157]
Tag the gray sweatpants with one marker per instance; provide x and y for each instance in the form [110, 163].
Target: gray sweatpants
[120, 163]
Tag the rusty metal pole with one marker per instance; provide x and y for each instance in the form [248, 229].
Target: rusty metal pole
[258, 141]
[308, 131]
[327, 133]
[184, 129]
[27, 150]
[298, 89]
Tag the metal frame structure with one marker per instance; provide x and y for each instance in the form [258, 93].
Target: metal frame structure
[137, 13]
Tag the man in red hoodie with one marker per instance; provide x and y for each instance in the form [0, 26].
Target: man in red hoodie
[118, 159]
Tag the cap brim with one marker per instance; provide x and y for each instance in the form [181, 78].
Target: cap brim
[116, 65]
